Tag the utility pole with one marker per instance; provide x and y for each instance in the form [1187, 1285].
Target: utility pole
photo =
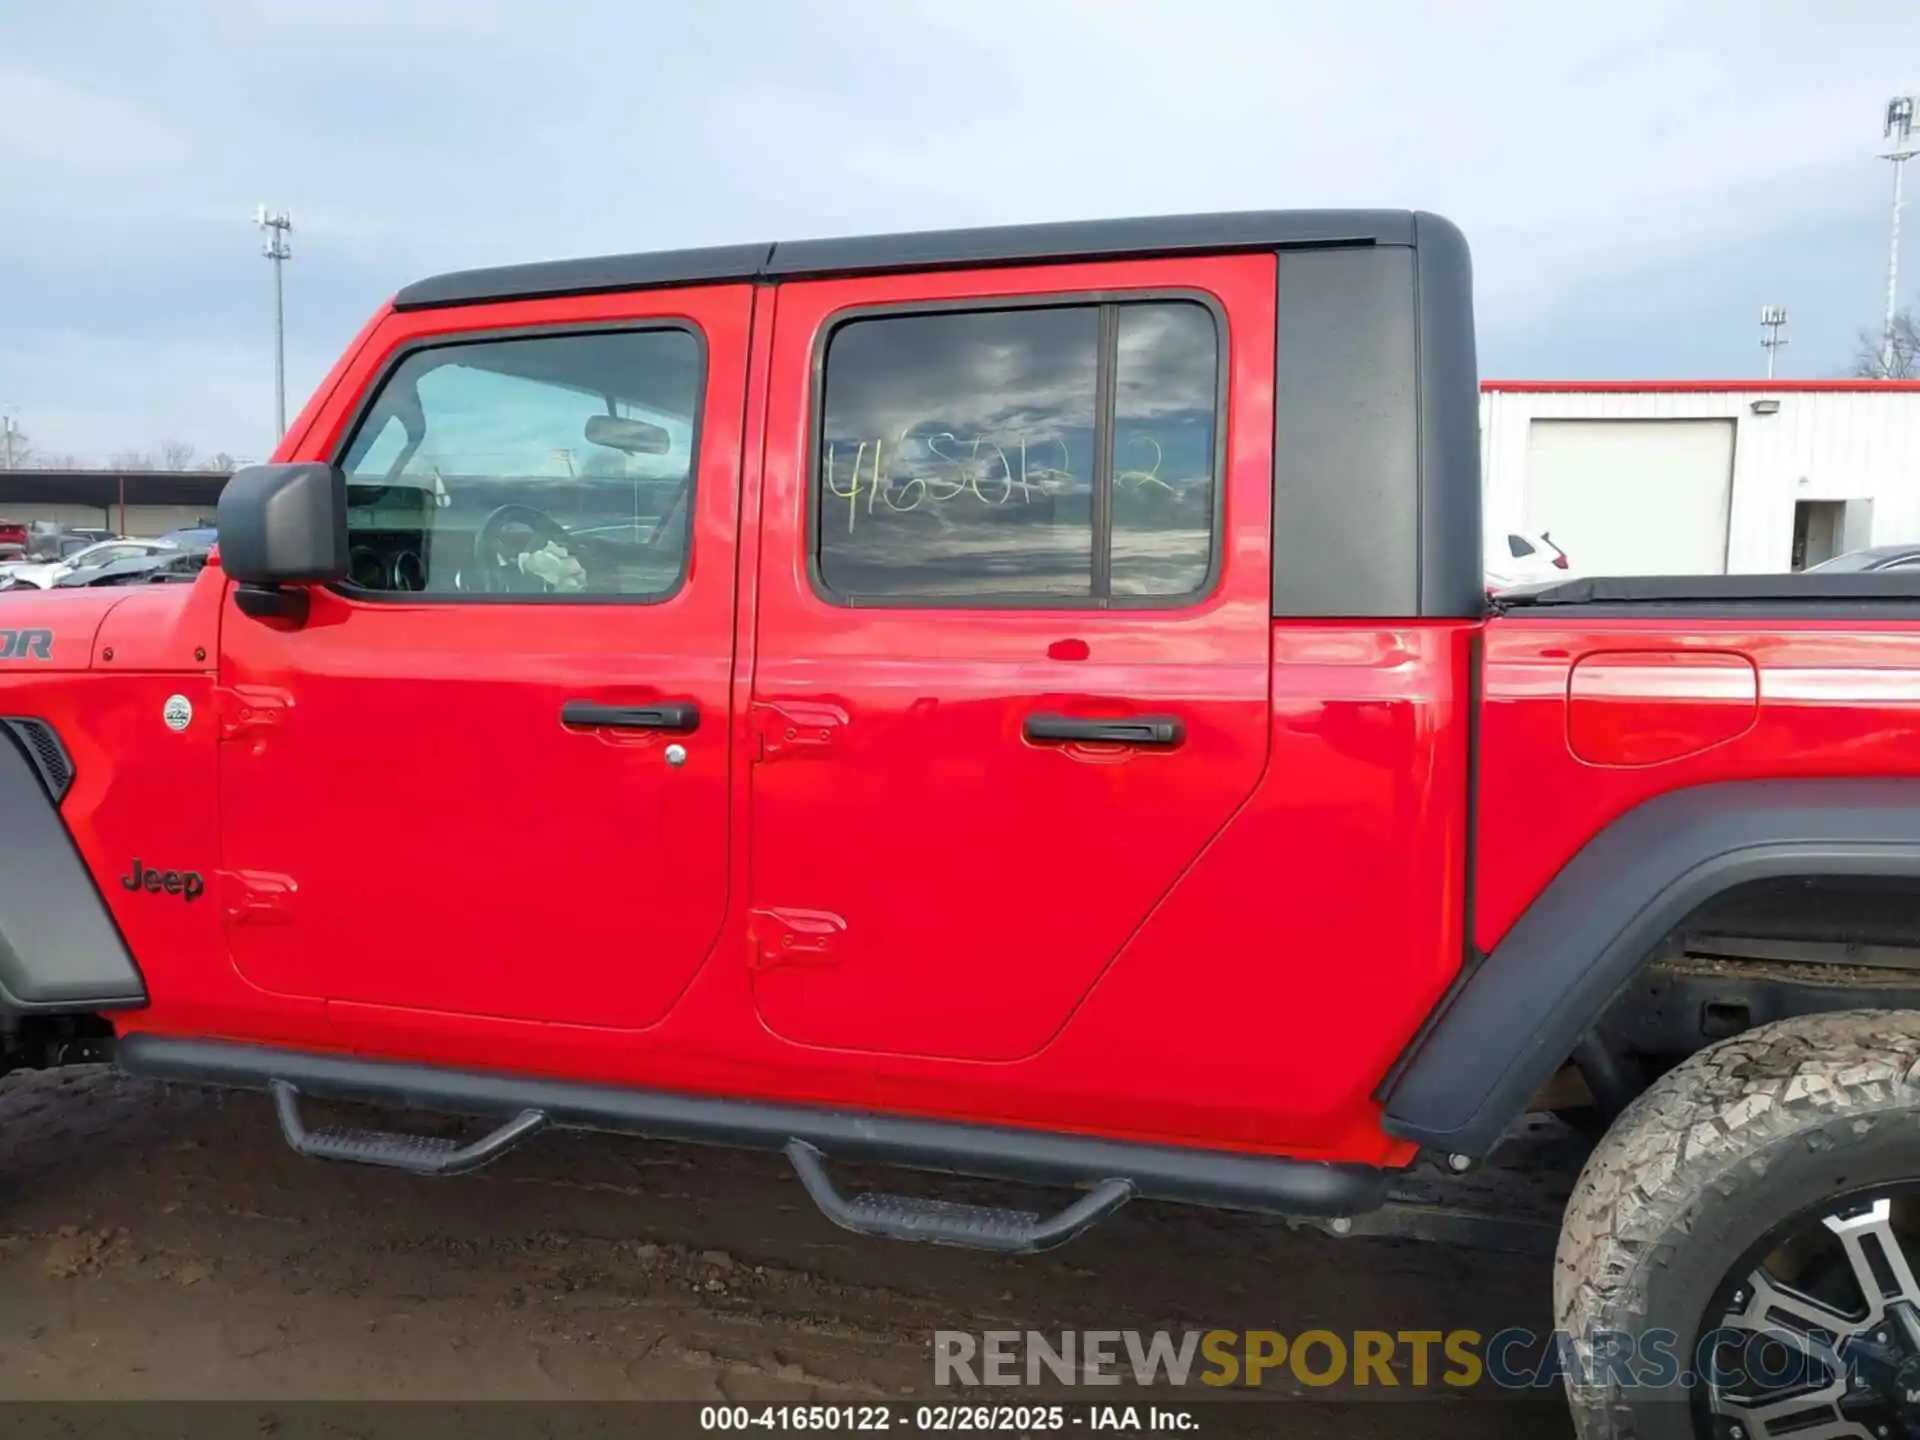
[1773, 319]
[276, 226]
[1901, 147]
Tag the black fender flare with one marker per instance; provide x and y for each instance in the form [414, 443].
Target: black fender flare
[1517, 1015]
[60, 951]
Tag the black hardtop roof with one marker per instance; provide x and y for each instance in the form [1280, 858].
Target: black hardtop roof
[926, 249]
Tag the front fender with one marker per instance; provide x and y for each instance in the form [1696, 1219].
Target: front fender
[60, 950]
[1517, 1015]
[43, 632]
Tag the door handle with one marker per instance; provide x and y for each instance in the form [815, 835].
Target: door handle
[1156, 731]
[679, 717]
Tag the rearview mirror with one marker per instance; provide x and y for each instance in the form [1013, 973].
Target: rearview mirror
[634, 437]
[282, 525]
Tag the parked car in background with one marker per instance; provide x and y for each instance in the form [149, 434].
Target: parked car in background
[13, 539]
[1874, 557]
[45, 574]
[51, 540]
[201, 536]
[161, 564]
[1527, 560]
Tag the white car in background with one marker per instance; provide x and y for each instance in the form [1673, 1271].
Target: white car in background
[1519, 559]
[46, 574]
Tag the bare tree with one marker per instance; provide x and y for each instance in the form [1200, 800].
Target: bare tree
[66, 461]
[16, 450]
[176, 454]
[130, 460]
[1869, 359]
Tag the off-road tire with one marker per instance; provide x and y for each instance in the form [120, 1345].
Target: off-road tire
[1728, 1145]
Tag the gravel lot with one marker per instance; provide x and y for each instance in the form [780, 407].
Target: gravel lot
[163, 1244]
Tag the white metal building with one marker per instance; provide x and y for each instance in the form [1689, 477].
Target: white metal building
[1681, 477]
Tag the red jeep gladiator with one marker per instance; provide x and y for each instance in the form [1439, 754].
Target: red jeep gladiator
[1020, 703]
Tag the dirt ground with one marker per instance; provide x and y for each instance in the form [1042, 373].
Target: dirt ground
[163, 1244]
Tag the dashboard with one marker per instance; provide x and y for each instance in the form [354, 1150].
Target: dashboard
[392, 561]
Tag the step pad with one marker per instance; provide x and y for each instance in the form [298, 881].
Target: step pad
[415, 1154]
[947, 1218]
[380, 1145]
[946, 1222]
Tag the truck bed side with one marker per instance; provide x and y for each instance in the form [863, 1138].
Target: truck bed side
[1657, 759]
[1587, 717]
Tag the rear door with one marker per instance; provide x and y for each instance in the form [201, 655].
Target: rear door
[489, 776]
[1012, 641]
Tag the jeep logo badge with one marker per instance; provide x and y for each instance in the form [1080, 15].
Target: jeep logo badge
[190, 885]
[26, 644]
[177, 712]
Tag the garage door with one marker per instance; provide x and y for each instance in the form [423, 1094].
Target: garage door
[1633, 497]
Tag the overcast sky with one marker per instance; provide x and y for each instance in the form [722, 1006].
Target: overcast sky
[1637, 178]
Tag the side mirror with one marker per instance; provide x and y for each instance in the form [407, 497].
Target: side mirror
[282, 525]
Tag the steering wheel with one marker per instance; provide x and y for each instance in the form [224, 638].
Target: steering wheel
[503, 537]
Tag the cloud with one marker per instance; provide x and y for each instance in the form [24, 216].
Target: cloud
[128, 394]
[45, 122]
[1636, 180]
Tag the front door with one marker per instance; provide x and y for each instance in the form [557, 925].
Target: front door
[1011, 672]
[489, 775]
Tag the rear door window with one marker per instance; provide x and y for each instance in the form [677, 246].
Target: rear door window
[1047, 455]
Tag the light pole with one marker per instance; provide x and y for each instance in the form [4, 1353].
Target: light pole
[276, 226]
[1901, 147]
[1773, 319]
[11, 427]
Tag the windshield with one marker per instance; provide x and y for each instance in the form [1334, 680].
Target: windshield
[101, 551]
